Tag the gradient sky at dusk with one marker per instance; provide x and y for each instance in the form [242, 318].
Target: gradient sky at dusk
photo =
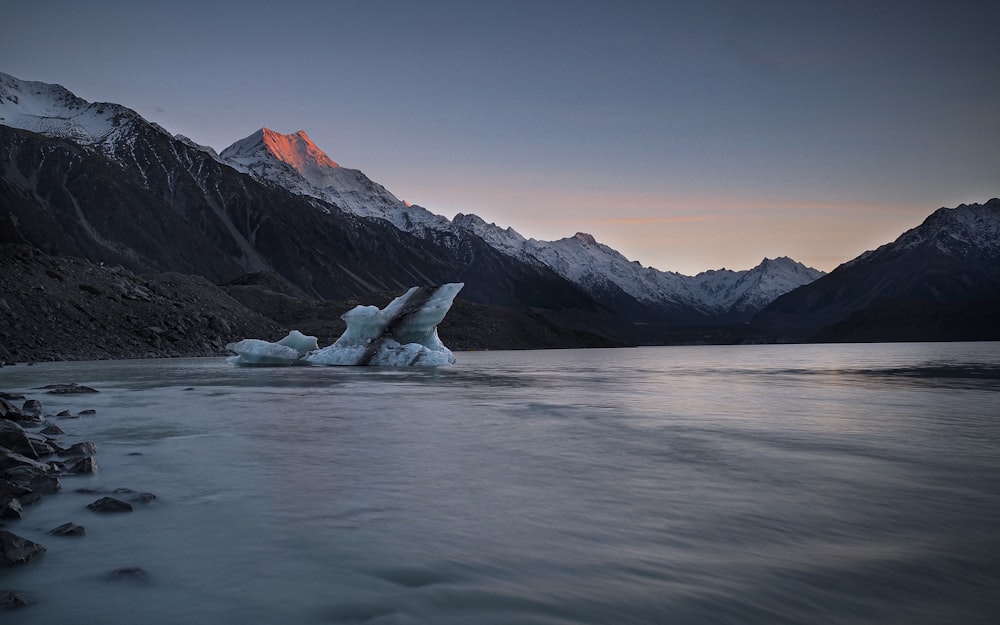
[687, 135]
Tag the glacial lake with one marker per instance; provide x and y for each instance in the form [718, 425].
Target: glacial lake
[686, 485]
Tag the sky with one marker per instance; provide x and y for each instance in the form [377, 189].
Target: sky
[686, 135]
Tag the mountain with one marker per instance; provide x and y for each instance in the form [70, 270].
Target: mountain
[96, 180]
[717, 295]
[99, 182]
[938, 281]
[297, 164]
[637, 293]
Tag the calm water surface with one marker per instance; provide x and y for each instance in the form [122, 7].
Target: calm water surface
[751, 484]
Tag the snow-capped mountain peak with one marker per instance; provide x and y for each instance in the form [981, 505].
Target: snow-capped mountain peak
[295, 150]
[950, 231]
[299, 165]
[54, 111]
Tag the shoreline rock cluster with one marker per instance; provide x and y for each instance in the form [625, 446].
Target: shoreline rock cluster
[33, 458]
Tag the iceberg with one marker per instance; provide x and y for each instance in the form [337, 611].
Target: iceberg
[288, 351]
[402, 334]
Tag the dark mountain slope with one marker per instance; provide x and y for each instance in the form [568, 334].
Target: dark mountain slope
[163, 205]
[951, 262]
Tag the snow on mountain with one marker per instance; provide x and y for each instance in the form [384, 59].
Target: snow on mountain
[585, 261]
[508, 241]
[299, 165]
[942, 274]
[296, 163]
[953, 231]
[54, 111]
[749, 291]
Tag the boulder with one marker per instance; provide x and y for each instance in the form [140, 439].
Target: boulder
[84, 465]
[33, 478]
[11, 459]
[79, 449]
[17, 550]
[32, 407]
[29, 499]
[51, 430]
[10, 507]
[68, 529]
[67, 389]
[41, 444]
[10, 488]
[9, 412]
[28, 421]
[110, 504]
[7, 409]
[14, 438]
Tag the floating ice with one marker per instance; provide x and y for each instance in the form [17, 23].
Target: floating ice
[287, 351]
[402, 334]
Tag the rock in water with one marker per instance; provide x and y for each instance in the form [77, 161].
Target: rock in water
[110, 504]
[17, 550]
[131, 573]
[10, 507]
[67, 389]
[68, 529]
[7, 409]
[84, 465]
[35, 479]
[79, 449]
[14, 438]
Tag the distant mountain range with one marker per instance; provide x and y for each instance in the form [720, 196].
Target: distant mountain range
[97, 181]
[295, 163]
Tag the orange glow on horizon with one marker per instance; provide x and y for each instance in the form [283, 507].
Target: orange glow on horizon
[633, 221]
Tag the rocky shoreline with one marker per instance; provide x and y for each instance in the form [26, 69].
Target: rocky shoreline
[34, 455]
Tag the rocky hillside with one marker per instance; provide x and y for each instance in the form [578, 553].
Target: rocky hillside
[58, 308]
[55, 308]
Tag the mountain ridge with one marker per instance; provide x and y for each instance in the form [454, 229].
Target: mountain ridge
[598, 269]
[951, 259]
[98, 181]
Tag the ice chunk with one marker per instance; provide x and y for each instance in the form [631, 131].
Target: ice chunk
[256, 352]
[287, 351]
[402, 334]
[300, 342]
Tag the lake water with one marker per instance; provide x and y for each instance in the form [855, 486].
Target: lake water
[749, 484]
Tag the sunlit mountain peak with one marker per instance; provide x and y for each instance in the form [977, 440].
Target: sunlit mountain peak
[297, 150]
